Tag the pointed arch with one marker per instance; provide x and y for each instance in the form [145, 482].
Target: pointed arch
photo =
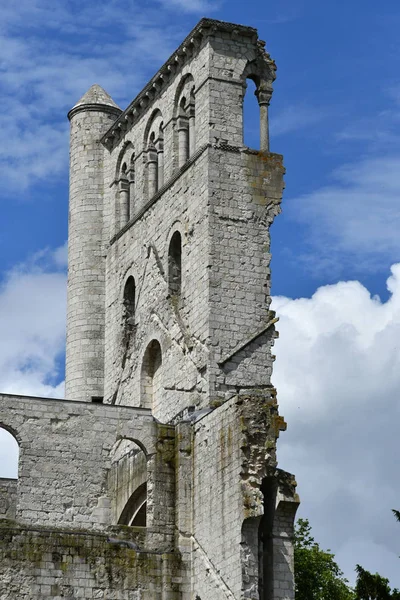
[251, 119]
[134, 512]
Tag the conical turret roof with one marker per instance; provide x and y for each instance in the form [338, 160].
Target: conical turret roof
[96, 95]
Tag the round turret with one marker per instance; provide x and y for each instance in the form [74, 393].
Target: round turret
[90, 118]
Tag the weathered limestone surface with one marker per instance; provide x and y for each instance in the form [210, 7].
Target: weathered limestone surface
[8, 498]
[167, 440]
[90, 117]
[65, 457]
[72, 564]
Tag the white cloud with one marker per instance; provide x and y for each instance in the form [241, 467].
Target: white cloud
[338, 378]
[191, 6]
[356, 217]
[32, 325]
[50, 58]
[296, 117]
[60, 255]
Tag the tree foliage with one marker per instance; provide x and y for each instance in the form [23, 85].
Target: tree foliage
[318, 576]
[373, 586]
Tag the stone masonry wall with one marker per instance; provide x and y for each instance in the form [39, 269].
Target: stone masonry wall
[127, 475]
[222, 202]
[214, 61]
[217, 509]
[180, 325]
[37, 564]
[246, 190]
[8, 498]
[234, 451]
[190, 418]
[65, 458]
[86, 265]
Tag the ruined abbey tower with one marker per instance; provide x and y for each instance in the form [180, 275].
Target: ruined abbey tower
[157, 478]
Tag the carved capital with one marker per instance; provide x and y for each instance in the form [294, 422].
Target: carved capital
[123, 184]
[264, 95]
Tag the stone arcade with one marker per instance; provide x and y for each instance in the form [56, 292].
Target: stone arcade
[157, 479]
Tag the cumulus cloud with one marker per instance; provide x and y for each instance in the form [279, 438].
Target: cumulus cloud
[50, 58]
[32, 324]
[338, 378]
[354, 218]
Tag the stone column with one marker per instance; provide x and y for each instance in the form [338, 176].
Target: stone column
[183, 140]
[131, 178]
[152, 171]
[192, 129]
[264, 98]
[160, 163]
[123, 201]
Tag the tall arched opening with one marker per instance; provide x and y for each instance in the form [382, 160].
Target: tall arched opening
[175, 265]
[251, 116]
[151, 376]
[129, 303]
[128, 483]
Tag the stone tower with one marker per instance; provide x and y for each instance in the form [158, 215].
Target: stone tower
[162, 460]
[90, 118]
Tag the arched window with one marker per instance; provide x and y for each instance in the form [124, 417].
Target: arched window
[183, 132]
[185, 119]
[127, 481]
[151, 376]
[154, 147]
[135, 510]
[261, 72]
[129, 303]
[175, 265]
[251, 116]
[126, 185]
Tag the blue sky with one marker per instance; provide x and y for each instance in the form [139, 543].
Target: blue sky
[335, 115]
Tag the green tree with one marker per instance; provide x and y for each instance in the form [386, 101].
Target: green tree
[373, 586]
[318, 576]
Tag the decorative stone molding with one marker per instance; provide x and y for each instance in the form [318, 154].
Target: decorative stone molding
[205, 29]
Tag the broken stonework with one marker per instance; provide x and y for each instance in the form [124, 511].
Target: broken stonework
[157, 478]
